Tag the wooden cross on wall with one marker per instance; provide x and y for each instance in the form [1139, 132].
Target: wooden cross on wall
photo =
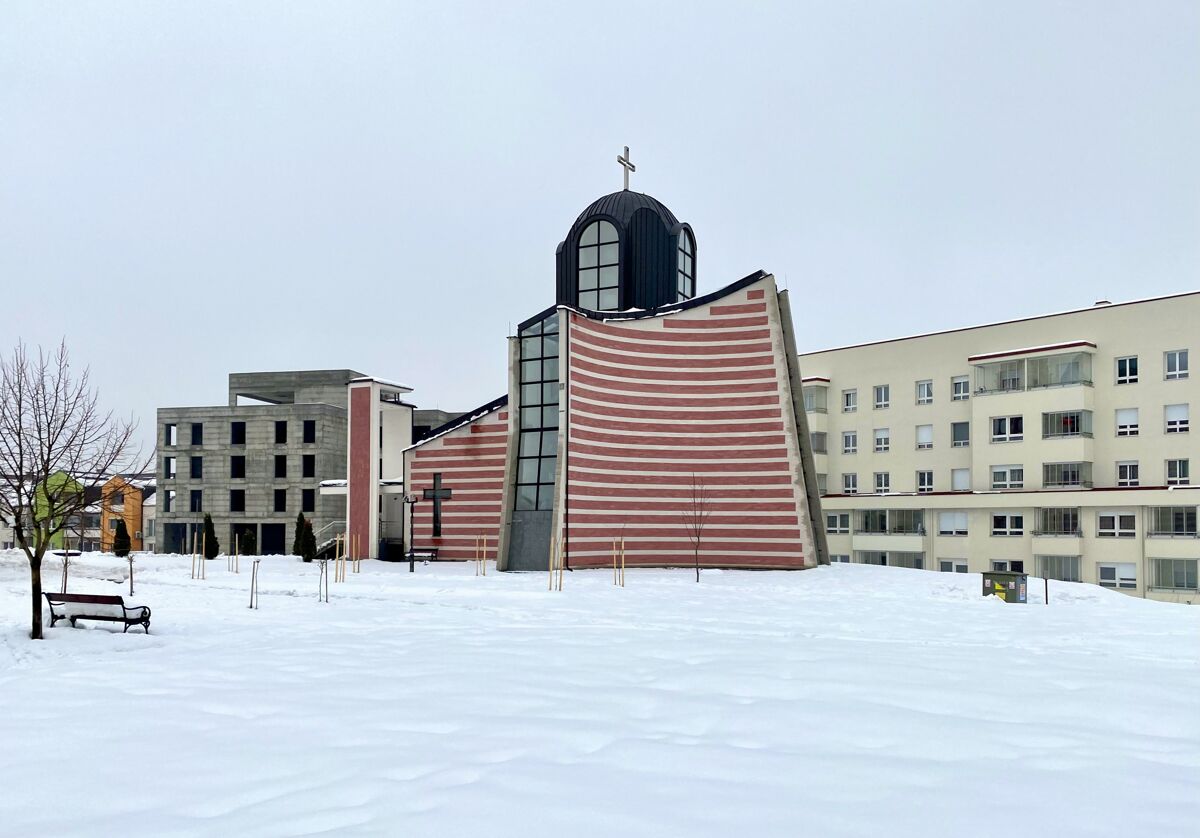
[438, 494]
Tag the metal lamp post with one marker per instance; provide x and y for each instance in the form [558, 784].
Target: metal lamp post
[411, 502]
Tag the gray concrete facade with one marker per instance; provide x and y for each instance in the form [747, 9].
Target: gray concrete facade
[293, 398]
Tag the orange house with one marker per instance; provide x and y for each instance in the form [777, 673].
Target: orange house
[121, 498]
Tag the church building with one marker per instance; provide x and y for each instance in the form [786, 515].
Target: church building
[634, 405]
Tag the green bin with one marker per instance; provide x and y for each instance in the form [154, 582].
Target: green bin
[1009, 586]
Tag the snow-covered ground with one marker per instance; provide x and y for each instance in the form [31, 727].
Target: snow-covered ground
[848, 700]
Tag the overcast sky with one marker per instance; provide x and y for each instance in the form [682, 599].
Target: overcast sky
[192, 189]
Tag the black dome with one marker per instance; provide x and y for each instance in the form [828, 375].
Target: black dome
[649, 271]
[622, 205]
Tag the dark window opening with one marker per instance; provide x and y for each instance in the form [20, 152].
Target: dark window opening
[310, 431]
[197, 468]
[197, 500]
[237, 500]
[197, 433]
[308, 500]
[309, 465]
[281, 500]
[237, 433]
[281, 432]
[237, 466]
[281, 465]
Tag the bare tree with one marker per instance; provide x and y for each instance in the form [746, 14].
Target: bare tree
[57, 450]
[695, 516]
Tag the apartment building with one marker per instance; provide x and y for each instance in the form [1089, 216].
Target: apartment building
[1059, 445]
[254, 463]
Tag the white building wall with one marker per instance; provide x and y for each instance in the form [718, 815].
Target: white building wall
[1146, 329]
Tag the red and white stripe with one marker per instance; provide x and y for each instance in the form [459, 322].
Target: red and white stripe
[658, 403]
[471, 461]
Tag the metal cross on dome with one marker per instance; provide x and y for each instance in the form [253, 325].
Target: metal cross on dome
[627, 165]
[438, 494]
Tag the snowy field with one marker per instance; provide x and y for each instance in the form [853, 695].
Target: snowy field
[844, 701]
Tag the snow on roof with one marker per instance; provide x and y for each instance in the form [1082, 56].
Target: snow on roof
[1029, 350]
[999, 323]
[383, 382]
[464, 419]
[333, 484]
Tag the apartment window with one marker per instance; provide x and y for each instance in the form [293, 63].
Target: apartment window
[1058, 520]
[960, 434]
[1008, 428]
[960, 479]
[170, 434]
[1127, 473]
[196, 468]
[197, 433]
[925, 392]
[1175, 363]
[1177, 418]
[281, 432]
[837, 523]
[1174, 574]
[196, 501]
[308, 500]
[237, 500]
[280, 465]
[815, 399]
[883, 440]
[237, 433]
[1059, 370]
[1177, 473]
[960, 388]
[850, 484]
[924, 436]
[1000, 565]
[1115, 525]
[952, 565]
[1173, 521]
[822, 484]
[883, 482]
[1008, 525]
[883, 396]
[1066, 423]
[237, 467]
[1062, 568]
[1127, 421]
[1127, 370]
[169, 500]
[840, 558]
[1008, 477]
[817, 440]
[1061, 475]
[849, 401]
[310, 431]
[924, 481]
[168, 467]
[952, 523]
[849, 442]
[281, 500]
[1117, 575]
[309, 465]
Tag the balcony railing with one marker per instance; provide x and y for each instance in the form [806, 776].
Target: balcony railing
[1058, 533]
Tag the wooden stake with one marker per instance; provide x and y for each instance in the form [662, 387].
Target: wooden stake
[237, 554]
[614, 557]
[622, 563]
[254, 584]
[553, 550]
[203, 547]
[131, 575]
[193, 554]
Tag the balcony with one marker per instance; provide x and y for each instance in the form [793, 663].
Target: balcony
[1067, 475]
[1015, 375]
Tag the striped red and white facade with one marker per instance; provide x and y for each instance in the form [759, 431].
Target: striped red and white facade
[471, 461]
[678, 414]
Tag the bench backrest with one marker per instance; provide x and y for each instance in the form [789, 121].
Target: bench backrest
[91, 599]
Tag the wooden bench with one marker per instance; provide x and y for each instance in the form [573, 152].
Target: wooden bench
[425, 553]
[110, 609]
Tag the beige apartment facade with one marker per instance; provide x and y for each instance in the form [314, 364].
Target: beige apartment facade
[1057, 445]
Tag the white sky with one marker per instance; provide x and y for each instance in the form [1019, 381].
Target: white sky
[188, 190]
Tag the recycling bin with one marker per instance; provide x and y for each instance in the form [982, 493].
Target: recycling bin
[1007, 585]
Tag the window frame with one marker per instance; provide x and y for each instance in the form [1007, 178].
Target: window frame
[1118, 581]
[1180, 373]
[850, 483]
[881, 395]
[1009, 529]
[882, 440]
[837, 523]
[924, 486]
[1177, 426]
[884, 486]
[1128, 480]
[1008, 434]
[1127, 428]
[601, 266]
[1008, 482]
[925, 384]
[849, 442]
[850, 401]
[1182, 468]
[955, 394]
[1129, 376]
[928, 445]
[1117, 527]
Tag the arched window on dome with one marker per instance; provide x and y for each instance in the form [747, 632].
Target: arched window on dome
[685, 283]
[599, 253]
